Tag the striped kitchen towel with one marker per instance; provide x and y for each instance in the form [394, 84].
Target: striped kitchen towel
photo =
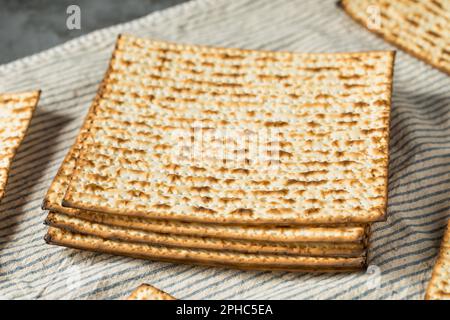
[403, 248]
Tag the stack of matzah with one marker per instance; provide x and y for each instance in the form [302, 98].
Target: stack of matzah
[16, 111]
[245, 159]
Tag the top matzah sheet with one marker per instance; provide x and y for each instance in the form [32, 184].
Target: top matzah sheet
[148, 292]
[326, 114]
[420, 27]
[16, 111]
[439, 286]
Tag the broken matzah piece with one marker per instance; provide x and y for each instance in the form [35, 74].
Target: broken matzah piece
[327, 114]
[420, 27]
[439, 286]
[148, 292]
[125, 234]
[55, 194]
[16, 110]
[278, 262]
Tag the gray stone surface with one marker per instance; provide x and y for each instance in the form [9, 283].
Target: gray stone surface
[30, 26]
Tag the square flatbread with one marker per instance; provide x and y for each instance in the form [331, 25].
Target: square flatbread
[148, 292]
[168, 126]
[439, 286]
[325, 249]
[276, 233]
[228, 259]
[420, 27]
[16, 111]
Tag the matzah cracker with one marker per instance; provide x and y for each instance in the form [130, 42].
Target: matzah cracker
[60, 183]
[16, 111]
[256, 233]
[124, 234]
[439, 286]
[420, 27]
[328, 112]
[148, 292]
[204, 257]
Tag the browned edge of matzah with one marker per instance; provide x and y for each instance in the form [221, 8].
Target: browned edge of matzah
[200, 257]
[382, 216]
[148, 292]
